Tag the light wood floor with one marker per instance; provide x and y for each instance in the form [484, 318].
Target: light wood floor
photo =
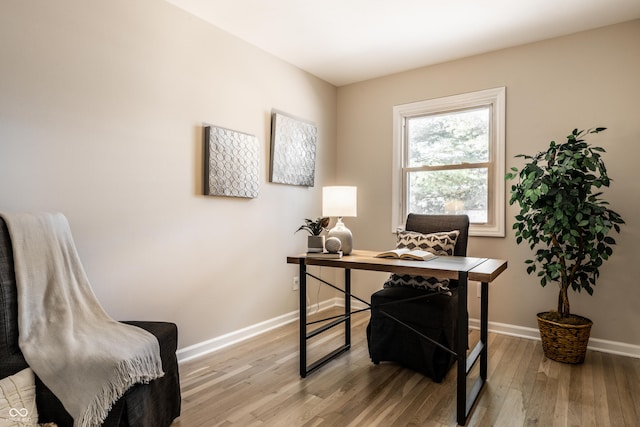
[256, 382]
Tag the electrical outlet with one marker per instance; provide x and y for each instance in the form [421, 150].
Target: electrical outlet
[296, 283]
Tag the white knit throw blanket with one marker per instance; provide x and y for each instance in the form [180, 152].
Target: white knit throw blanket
[87, 359]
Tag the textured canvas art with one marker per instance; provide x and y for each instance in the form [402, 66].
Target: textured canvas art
[293, 150]
[231, 163]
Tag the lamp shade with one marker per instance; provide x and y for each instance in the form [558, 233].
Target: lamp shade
[339, 201]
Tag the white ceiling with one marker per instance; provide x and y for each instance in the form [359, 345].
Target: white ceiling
[345, 41]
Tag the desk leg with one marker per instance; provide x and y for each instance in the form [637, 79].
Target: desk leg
[347, 307]
[307, 335]
[466, 401]
[303, 319]
[461, 349]
[484, 328]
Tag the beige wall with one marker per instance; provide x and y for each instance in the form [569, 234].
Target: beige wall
[583, 80]
[101, 108]
[101, 112]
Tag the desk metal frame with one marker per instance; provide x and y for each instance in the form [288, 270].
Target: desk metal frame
[463, 269]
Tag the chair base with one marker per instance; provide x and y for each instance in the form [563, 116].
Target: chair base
[433, 316]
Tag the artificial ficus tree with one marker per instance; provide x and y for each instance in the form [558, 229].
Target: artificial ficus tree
[563, 216]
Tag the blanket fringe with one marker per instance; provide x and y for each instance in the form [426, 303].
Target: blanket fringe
[127, 373]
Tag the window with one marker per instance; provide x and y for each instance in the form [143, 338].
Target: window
[449, 159]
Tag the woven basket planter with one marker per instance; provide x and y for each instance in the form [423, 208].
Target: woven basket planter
[563, 342]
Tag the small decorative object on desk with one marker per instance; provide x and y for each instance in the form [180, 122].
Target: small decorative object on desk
[405, 253]
[315, 242]
[325, 255]
[333, 244]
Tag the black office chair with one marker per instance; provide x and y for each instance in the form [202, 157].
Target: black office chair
[434, 316]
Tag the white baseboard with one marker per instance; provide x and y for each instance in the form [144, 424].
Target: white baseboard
[605, 346]
[217, 343]
[220, 342]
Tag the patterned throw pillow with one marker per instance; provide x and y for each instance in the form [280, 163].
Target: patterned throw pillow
[18, 400]
[441, 244]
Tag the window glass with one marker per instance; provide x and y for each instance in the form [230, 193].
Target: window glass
[451, 138]
[455, 192]
[449, 159]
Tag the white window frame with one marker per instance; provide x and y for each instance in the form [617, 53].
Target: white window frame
[493, 97]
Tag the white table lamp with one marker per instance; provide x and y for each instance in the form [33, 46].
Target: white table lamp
[340, 201]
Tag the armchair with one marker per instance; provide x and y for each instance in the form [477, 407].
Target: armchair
[433, 316]
[155, 404]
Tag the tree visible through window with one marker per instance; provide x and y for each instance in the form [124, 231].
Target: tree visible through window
[449, 159]
[447, 169]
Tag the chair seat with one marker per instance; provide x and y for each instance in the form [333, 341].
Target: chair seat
[167, 335]
[138, 407]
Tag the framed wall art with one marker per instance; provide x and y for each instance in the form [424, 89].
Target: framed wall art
[231, 163]
[293, 150]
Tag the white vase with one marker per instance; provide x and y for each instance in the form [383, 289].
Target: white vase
[344, 234]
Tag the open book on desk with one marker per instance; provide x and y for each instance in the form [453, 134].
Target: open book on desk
[405, 253]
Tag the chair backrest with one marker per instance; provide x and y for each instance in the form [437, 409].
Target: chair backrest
[435, 223]
[11, 359]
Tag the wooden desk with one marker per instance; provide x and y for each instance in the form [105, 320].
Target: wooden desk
[463, 269]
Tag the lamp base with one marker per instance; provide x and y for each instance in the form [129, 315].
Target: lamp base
[344, 234]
